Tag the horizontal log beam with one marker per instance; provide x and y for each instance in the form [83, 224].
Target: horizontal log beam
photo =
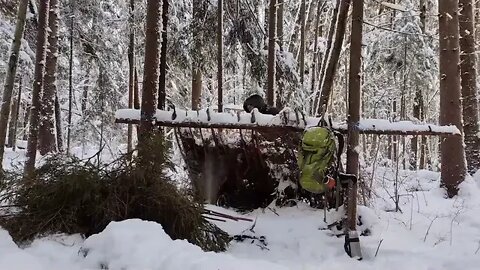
[189, 124]
[266, 128]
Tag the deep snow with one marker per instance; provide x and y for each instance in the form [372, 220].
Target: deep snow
[431, 232]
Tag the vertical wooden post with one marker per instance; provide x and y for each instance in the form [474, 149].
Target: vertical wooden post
[353, 119]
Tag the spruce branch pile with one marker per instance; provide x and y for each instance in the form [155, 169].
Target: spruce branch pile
[68, 195]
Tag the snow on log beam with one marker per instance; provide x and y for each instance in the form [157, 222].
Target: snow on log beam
[287, 119]
[394, 6]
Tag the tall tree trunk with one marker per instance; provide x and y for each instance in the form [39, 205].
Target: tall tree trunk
[26, 116]
[477, 28]
[136, 96]
[419, 109]
[414, 140]
[469, 85]
[12, 127]
[423, 15]
[292, 42]
[131, 71]
[17, 113]
[10, 76]
[316, 53]
[302, 41]
[136, 92]
[331, 68]
[354, 115]
[220, 55]
[83, 105]
[70, 77]
[423, 143]
[310, 20]
[279, 73]
[151, 73]
[163, 57]
[196, 63]
[271, 53]
[280, 34]
[323, 67]
[40, 55]
[308, 16]
[452, 153]
[395, 137]
[196, 89]
[47, 143]
[58, 123]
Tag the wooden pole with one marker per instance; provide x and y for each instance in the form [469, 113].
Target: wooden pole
[354, 118]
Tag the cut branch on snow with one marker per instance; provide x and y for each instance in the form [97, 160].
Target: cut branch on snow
[286, 119]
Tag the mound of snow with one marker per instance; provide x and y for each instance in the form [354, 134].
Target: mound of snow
[11, 257]
[136, 244]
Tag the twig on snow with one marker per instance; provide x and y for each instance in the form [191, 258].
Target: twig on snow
[378, 247]
[428, 230]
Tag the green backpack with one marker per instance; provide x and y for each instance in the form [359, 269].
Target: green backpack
[316, 158]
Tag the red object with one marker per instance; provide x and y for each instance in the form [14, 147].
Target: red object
[330, 182]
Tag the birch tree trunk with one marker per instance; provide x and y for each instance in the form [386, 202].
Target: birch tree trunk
[40, 56]
[452, 152]
[10, 76]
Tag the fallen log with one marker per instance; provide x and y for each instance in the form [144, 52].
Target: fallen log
[287, 119]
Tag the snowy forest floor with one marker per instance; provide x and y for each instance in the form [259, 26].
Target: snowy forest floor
[430, 232]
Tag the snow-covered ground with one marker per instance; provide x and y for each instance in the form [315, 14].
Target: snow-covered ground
[430, 232]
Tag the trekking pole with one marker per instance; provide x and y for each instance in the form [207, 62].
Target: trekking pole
[325, 207]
